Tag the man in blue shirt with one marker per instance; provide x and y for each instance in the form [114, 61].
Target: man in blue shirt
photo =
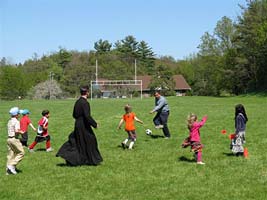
[163, 111]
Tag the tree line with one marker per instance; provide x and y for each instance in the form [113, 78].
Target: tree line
[231, 61]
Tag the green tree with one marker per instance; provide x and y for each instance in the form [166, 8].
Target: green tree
[163, 80]
[12, 83]
[146, 58]
[102, 46]
[252, 44]
[127, 48]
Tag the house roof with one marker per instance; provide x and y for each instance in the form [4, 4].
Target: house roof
[180, 82]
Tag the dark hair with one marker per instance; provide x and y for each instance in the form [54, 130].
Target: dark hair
[45, 112]
[84, 89]
[239, 108]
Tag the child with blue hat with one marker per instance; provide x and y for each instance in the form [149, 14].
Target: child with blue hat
[25, 121]
[15, 149]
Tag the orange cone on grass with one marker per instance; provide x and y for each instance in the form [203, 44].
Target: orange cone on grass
[246, 152]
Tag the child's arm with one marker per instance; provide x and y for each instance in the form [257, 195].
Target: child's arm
[203, 121]
[19, 131]
[138, 120]
[33, 128]
[121, 122]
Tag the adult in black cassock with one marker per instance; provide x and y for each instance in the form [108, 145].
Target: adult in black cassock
[81, 148]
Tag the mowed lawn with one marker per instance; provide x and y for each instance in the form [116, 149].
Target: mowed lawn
[156, 168]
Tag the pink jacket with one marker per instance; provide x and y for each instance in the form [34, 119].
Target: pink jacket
[194, 131]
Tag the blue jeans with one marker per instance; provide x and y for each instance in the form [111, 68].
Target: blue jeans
[161, 118]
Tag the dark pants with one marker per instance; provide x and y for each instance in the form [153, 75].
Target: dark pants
[161, 118]
[24, 139]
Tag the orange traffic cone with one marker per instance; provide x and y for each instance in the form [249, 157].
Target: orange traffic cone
[246, 152]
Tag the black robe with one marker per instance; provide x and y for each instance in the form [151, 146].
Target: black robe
[81, 148]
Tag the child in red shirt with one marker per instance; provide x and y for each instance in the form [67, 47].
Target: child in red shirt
[25, 121]
[42, 132]
[129, 117]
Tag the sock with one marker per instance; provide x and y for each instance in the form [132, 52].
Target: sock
[131, 145]
[48, 145]
[125, 141]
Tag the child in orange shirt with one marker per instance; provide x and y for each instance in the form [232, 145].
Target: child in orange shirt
[129, 117]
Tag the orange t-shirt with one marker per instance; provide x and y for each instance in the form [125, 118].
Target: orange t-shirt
[129, 121]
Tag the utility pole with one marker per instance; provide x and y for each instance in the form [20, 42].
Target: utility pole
[51, 75]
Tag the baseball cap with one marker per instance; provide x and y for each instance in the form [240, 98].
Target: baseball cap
[25, 112]
[14, 111]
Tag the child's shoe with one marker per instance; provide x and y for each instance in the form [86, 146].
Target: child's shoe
[200, 163]
[49, 149]
[30, 150]
[123, 145]
[11, 170]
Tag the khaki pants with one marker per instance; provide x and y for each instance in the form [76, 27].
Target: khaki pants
[15, 151]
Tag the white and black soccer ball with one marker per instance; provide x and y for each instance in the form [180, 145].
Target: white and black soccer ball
[148, 132]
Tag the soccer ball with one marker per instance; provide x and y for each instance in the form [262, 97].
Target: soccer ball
[148, 132]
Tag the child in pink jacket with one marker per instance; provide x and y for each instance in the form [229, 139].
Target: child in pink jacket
[194, 136]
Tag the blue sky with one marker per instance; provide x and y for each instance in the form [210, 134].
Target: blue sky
[170, 27]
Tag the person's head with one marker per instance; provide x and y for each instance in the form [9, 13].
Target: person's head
[127, 108]
[25, 112]
[84, 90]
[157, 94]
[45, 113]
[191, 118]
[14, 112]
[239, 108]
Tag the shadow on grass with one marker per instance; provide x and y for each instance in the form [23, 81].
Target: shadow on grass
[65, 165]
[185, 159]
[123, 147]
[41, 149]
[18, 170]
[229, 154]
[235, 155]
[156, 136]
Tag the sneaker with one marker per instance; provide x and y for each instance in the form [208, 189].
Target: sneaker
[167, 138]
[30, 150]
[49, 149]
[200, 163]
[11, 170]
[159, 126]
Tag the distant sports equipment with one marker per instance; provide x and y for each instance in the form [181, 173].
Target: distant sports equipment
[148, 132]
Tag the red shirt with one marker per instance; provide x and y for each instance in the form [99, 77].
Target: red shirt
[24, 123]
[43, 122]
[129, 121]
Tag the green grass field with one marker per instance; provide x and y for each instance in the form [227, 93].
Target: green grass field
[156, 168]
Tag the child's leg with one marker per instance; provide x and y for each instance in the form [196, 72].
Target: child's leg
[199, 156]
[125, 141]
[24, 139]
[33, 144]
[131, 145]
[195, 156]
[48, 144]
[133, 139]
